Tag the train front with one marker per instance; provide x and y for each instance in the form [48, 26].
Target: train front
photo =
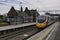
[41, 22]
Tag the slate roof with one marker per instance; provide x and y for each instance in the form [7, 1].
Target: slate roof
[24, 13]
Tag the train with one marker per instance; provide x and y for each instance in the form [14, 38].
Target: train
[42, 21]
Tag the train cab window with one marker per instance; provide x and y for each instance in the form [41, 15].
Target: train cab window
[41, 19]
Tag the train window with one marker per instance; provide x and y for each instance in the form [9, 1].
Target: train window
[41, 19]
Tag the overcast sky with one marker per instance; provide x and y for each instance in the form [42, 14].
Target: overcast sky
[5, 5]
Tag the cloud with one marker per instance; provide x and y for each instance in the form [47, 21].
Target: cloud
[31, 4]
[9, 1]
[4, 9]
[43, 4]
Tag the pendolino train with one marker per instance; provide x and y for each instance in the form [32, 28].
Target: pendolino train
[42, 21]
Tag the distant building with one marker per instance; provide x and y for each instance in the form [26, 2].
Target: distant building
[14, 17]
[12, 13]
[17, 16]
[34, 14]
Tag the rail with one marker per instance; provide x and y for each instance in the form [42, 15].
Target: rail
[10, 33]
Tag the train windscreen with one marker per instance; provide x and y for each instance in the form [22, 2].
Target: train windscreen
[41, 19]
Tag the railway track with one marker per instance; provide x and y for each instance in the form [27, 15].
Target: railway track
[19, 33]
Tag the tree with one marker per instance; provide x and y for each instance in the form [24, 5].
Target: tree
[2, 18]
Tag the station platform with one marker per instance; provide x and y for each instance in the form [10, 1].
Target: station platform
[55, 34]
[2, 28]
[50, 33]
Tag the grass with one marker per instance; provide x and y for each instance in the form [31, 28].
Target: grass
[3, 23]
